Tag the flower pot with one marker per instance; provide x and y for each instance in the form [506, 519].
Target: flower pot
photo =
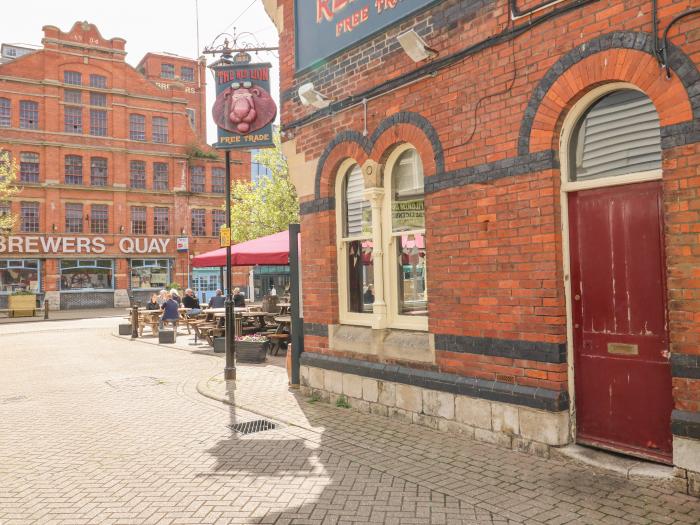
[249, 352]
[22, 305]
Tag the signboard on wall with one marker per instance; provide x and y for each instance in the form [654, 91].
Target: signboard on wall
[244, 110]
[326, 27]
[183, 244]
[59, 244]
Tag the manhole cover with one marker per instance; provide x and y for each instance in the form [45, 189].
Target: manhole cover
[251, 427]
[131, 382]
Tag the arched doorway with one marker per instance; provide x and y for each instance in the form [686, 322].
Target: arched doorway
[618, 331]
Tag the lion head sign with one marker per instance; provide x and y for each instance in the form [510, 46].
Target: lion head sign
[244, 110]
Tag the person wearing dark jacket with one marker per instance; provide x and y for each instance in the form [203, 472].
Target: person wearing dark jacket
[153, 305]
[238, 298]
[170, 311]
[191, 302]
[218, 300]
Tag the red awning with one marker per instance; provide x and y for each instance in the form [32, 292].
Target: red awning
[270, 250]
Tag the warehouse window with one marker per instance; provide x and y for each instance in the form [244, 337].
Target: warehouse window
[218, 180]
[29, 217]
[137, 127]
[98, 122]
[98, 171]
[199, 222]
[28, 114]
[98, 81]
[72, 77]
[167, 71]
[197, 179]
[99, 218]
[161, 221]
[218, 219]
[187, 74]
[160, 130]
[74, 218]
[137, 174]
[618, 135]
[160, 176]
[138, 220]
[72, 119]
[72, 96]
[73, 169]
[28, 167]
[5, 113]
[98, 99]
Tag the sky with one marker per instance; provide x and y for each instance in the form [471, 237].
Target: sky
[150, 26]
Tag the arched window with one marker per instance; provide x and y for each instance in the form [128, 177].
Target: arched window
[355, 244]
[618, 135]
[407, 241]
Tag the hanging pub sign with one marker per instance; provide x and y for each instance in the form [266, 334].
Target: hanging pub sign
[326, 27]
[244, 110]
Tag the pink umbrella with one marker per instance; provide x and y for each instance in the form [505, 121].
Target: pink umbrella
[270, 250]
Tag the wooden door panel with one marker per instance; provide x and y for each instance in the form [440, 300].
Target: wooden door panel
[622, 372]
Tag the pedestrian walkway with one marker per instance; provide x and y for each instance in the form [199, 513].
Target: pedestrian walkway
[65, 315]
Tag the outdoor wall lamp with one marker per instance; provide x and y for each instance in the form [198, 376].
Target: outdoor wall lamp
[415, 47]
[182, 231]
[53, 228]
[310, 97]
[121, 229]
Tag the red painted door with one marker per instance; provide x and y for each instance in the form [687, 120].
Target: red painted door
[621, 363]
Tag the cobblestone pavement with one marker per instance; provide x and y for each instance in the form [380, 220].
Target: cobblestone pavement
[98, 429]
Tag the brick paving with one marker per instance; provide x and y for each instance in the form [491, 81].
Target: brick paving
[99, 429]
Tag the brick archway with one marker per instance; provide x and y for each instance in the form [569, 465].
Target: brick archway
[615, 57]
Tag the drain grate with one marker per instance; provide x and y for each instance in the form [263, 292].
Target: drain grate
[251, 427]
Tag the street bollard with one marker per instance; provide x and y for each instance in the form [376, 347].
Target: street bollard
[134, 322]
[46, 309]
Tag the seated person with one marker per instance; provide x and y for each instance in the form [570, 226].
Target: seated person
[176, 297]
[170, 311]
[238, 298]
[218, 300]
[190, 301]
[153, 304]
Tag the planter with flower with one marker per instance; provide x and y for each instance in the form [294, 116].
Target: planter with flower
[252, 348]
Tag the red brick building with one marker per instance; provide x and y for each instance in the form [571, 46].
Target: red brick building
[500, 234]
[114, 169]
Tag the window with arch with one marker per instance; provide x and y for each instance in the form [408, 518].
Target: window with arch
[381, 244]
[619, 134]
[356, 244]
[407, 237]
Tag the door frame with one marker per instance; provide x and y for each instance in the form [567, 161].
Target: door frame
[566, 186]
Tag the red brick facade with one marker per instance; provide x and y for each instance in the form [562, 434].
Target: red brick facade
[487, 123]
[62, 75]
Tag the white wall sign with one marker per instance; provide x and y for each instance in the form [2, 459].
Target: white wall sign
[77, 245]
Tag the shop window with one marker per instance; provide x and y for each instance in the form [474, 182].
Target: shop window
[150, 274]
[620, 134]
[137, 127]
[19, 275]
[138, 220]
[408, 234]
[356, 244]
[160, 130]
[82, 274]
[218, 219]
[137, 174]
[187, 74]
[199, 222]
[98, 99]
[218, 180]
[28, 114]
[5, 209]
[72, 119]
[161, 221]
[73, 169]
[74, 218]
[5, 113]
[29, 217]
[160, 176]
[99, 218]
[28, 167]
[98, 81]
[98, 171]
[72, 96]
[98, 122]
[197, 179]
[167, 71]
[72, 77]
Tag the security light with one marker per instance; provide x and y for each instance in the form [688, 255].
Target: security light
[310, 97]
[414, 46]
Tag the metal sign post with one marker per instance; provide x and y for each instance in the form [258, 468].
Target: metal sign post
[230, 367]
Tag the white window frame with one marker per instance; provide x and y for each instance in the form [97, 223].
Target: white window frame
[346, 316]
[394, 318]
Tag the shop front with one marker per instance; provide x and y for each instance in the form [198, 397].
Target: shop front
[86, 283]
[148, 276]
[19, 275]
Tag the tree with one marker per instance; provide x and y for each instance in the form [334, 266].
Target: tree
[268, 206]
[8, 177]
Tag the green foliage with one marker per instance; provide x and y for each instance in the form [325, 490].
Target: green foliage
[8, 177]
[342, 402]
[266, 207]
[23, 292]
[173, 285]
[315, 398]
[196, 152]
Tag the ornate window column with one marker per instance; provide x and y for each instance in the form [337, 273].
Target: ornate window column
[374, 193]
